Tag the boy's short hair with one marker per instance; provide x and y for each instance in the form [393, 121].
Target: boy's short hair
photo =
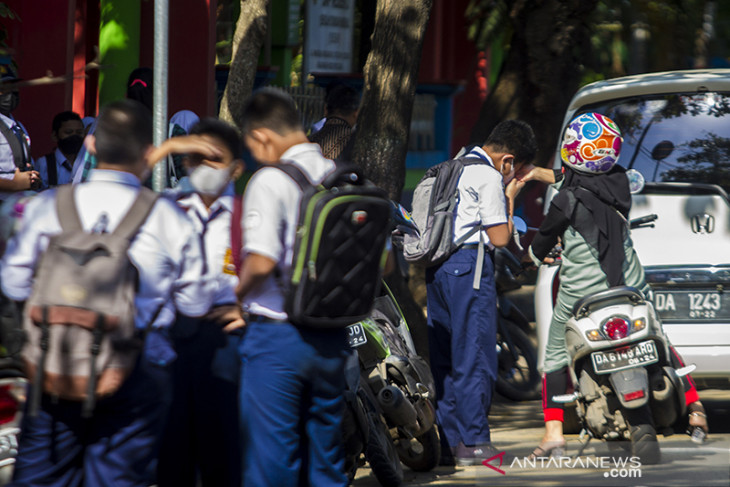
[63, 117]
[342, 99]
[123, 132]
[514, 137]
[223, 130]
[272, 109]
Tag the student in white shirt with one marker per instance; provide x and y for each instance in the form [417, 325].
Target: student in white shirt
[118, 444]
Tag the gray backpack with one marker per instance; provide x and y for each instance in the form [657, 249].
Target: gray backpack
[434, 209]
[79, 320]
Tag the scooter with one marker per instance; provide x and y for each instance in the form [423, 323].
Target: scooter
[390, 416]
[625, 385]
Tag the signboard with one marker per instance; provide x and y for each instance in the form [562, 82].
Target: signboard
[329, 30]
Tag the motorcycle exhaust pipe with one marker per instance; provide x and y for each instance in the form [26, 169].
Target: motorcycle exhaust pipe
[397, 408]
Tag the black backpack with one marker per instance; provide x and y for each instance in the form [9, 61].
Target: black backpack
[339, 248]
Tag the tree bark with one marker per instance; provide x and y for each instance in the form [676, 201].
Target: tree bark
[390, 78]
[247, 41]
[542, 70]
[381, 139]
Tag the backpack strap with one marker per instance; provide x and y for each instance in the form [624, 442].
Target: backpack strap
[16, 147]
[237, 232]
[68, 215]
[52, 169]
[295, 173]
[137, 213]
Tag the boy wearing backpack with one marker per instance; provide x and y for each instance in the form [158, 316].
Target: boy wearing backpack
[461, 295]
[292, 381]
[202, 433]
[108, 433]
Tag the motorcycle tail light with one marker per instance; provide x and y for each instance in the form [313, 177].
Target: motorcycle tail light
[616, 328]
[594, 335]
[633, 395]
[8, 404]
[639, 325]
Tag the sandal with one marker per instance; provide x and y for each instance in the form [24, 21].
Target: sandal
[697, 417]
[548, 449]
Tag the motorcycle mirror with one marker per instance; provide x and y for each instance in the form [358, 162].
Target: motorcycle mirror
[685, 370]
[636, 181]
[520, 225]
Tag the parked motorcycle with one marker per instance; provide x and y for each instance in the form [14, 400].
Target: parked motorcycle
[390, 416]
[13, 387]
[518, 378]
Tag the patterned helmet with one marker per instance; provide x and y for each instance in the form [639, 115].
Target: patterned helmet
[591, 144]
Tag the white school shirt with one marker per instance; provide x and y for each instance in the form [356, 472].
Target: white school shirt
[64, 168]
[481, 199]
[166, 250]
[271, 210]
[214, 228]
[7, 163]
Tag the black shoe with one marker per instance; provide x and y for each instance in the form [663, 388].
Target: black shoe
[476, 454]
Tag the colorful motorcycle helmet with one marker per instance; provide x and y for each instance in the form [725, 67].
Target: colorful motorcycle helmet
[591, 143]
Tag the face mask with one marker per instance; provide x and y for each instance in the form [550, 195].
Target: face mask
[506, 178]
[71, 144]
[209, 181]
[8, 102]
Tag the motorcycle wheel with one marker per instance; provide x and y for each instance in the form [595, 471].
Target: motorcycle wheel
[381, 453]
[424, 456]
[644, 442]
[518, 380]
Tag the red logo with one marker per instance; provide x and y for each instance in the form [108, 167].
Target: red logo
[359, 217]
[501, 459]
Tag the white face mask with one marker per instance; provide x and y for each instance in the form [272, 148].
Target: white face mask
[506, 178]
[209, 181]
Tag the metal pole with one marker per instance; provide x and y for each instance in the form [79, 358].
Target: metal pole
[159, 104]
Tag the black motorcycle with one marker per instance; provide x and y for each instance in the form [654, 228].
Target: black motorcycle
[518, 378]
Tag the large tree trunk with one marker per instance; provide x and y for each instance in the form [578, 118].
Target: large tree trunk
[390, 74]
[381, 140]
[247, 41]
[542, 70]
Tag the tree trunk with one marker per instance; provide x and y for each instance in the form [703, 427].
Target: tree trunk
[381, 140]
[390, 78]
[247, 41]
[542, 70]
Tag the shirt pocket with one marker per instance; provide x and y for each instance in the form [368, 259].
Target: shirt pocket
[458, 269]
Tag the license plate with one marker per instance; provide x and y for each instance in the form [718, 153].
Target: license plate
[695, 305]
[644, 353]
[356, 335]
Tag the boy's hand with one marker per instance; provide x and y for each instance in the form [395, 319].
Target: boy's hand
[188, 144]
[234, 319]
[24, 180]
[513, 188]
[531, 173]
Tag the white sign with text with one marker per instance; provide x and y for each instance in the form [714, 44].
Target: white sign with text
[329, 31]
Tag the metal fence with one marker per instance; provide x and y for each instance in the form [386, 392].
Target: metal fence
[310, 101]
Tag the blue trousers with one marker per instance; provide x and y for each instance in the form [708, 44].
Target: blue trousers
[115, 447]
[292, 404]
[462, 331]
[202, 433]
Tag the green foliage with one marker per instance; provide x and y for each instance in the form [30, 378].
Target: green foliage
[487, 21]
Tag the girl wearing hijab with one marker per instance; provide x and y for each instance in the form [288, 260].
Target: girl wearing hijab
[589, 214]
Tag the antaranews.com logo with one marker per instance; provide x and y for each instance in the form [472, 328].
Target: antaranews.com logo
[616, 467]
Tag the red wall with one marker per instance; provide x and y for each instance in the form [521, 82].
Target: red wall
[191, 75]
[448, 55]
[40, 43]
